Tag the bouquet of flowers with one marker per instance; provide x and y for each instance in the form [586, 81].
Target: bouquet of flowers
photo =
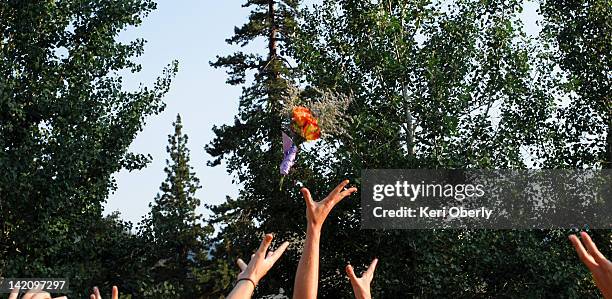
[305, 124]
[306, 127]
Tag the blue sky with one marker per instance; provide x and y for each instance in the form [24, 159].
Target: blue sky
[192, 32]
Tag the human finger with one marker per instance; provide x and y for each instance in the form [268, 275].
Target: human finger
[307, 196]
[279, 251]
[265, 243]
[592, 248]
[372, 268]
[348, 192]
[97, 293]
[241, 264]
[584, 256]
[339, 188]
[14, 293]
[350, 272]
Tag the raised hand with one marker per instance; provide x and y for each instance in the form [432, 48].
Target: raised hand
[261, 262]
[307, 274]
[316, 212]
[361, 285]
[600, 267]
[96, 293]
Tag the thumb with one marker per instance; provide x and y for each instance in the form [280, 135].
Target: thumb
[241, 264]
[307, 196]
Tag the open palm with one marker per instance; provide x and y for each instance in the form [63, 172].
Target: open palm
[600, 267]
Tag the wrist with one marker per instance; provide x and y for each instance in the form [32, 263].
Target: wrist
[363, 295]
[313, 228]
[245, 282]
[250, 278]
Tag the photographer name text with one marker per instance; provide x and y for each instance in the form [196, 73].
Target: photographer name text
[426, 212]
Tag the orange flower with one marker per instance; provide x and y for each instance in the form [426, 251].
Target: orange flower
[301, 115]
[311, 130]
[305, 124]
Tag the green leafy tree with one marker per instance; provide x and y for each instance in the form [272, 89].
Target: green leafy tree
[431, 83]
[434, 85]
[65, 128]
[441, 85]
[116, 247]
[579, 35]
[174, 228]
[579, 39]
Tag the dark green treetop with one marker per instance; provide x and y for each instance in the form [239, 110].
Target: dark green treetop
[174, 230]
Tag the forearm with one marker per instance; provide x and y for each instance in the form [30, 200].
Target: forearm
[243, 290]
[307, 275]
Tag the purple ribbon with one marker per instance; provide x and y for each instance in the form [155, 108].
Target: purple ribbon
[289, 154]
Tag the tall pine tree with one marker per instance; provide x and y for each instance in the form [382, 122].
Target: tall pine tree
[251, 146]
[174, 228]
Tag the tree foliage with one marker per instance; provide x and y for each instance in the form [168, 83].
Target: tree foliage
[441, 85]
[65, 126]
[433, 84]
[251, 146]
[173, 229]
[579, 35]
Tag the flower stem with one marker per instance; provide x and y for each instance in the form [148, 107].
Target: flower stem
[280, 186]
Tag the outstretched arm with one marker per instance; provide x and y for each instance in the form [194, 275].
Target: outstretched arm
[307, 274]
[258, 266]
[600, 267]
[361, 285]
